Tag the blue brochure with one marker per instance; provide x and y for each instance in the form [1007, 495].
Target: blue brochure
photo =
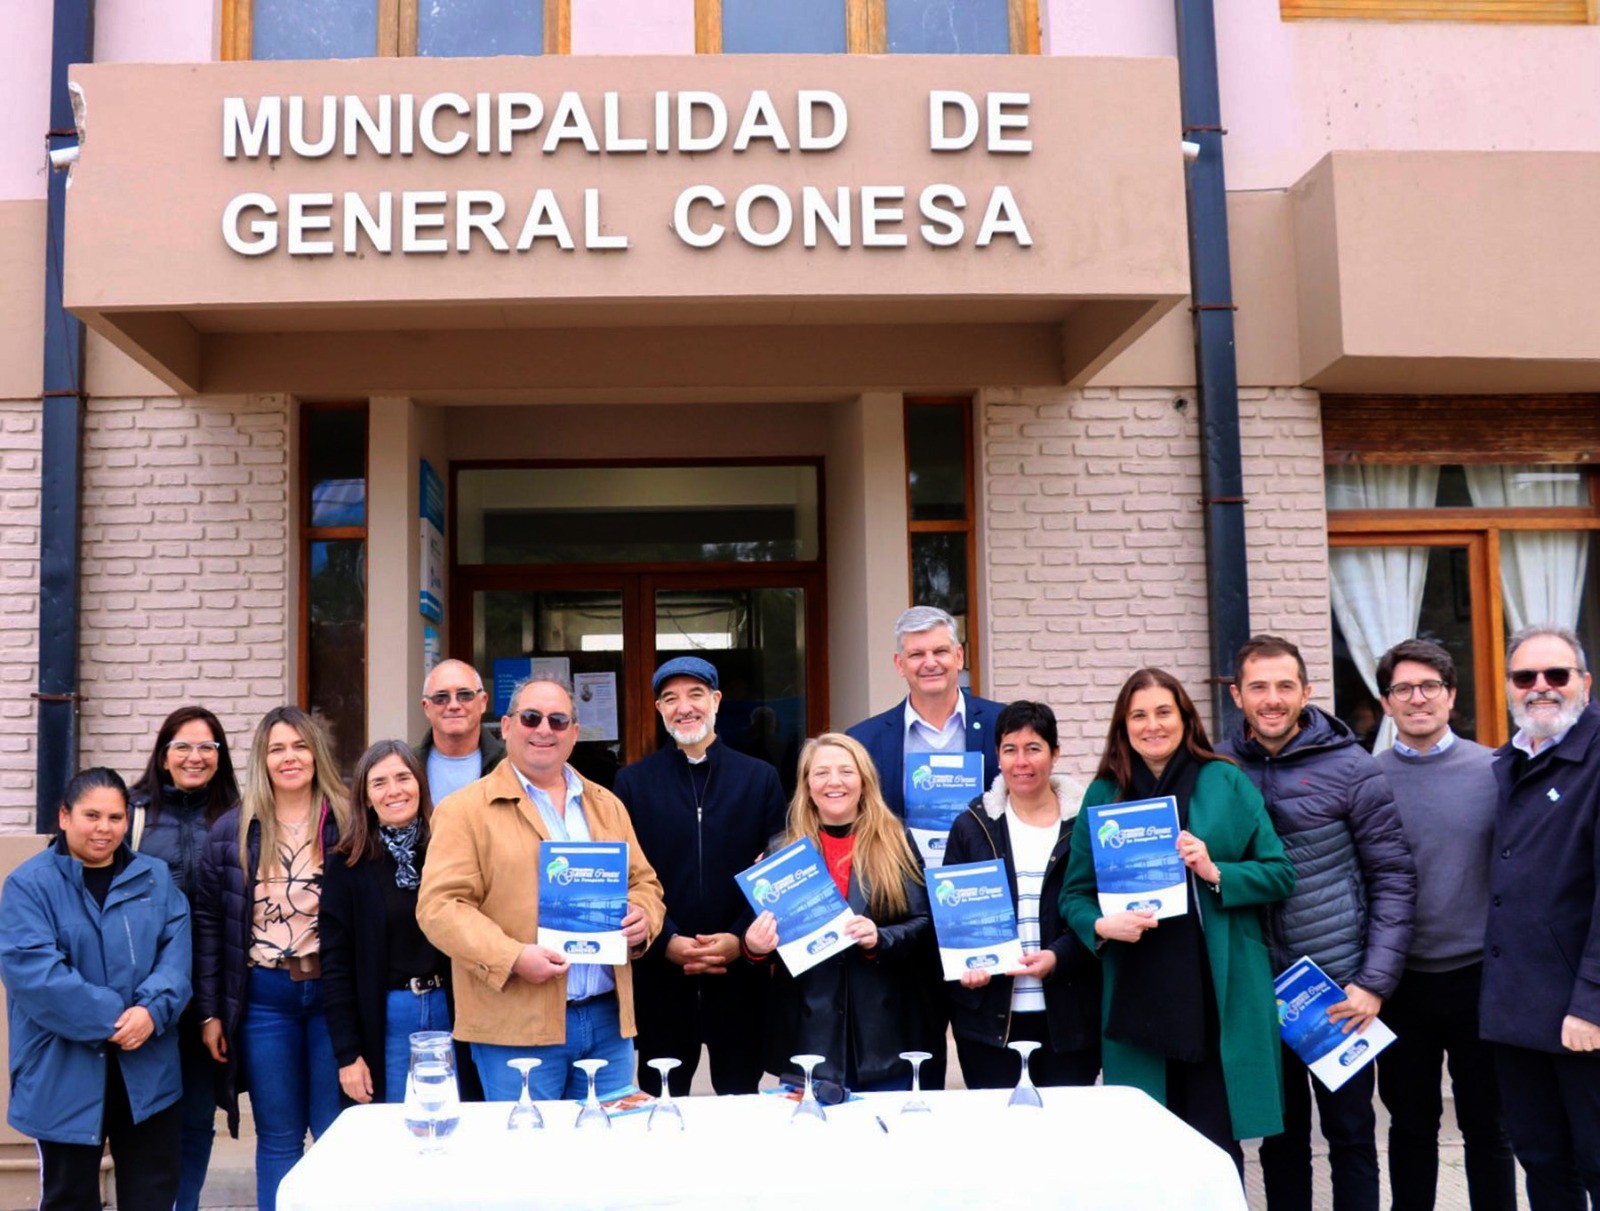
[938, 788]
[1305, 994]
[795, 887]
[974, 918]
[1136, 862]
[583, 896]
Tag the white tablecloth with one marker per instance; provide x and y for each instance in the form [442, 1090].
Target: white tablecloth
[1103, 1148]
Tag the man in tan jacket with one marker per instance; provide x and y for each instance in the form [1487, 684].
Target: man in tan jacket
[479, 903]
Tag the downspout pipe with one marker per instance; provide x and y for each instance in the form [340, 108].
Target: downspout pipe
[61, 446]
[1215, 368]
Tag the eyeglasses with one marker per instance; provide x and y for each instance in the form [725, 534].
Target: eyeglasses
[1556, 678]
[559, 721]
[1401, 691]
[182, 748]
[442, 698]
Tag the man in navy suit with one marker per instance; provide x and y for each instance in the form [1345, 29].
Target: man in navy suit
[936, 716]
[1541, 969]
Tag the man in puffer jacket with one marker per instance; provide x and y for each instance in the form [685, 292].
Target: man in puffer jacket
[1351, 910]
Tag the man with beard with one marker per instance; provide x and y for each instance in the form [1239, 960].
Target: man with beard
[1541, 971]
[703, 813]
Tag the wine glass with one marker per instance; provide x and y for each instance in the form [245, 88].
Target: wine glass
[808, 1108]
[666, 1113]
[915, 1103]
[1025, 1094]
[525, 1115]
[592, 1114]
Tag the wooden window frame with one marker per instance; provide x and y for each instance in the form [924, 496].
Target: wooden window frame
[310, 534]
[866, 27]
[1545, 12]
[396, 34]
[967, 526]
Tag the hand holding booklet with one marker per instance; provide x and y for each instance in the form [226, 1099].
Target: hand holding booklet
[583, 896]
[796, 888]
[1305, 994]
[1136, 862]
[974, 918]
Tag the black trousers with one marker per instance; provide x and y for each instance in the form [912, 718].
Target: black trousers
[1552, 1107]
[1349, 1124]
[1198, 1094]
[147, 1156]
[1435, 1017]
[986, 1066]
[676, 1014]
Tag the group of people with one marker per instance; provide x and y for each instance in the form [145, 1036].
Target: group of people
[191, 939]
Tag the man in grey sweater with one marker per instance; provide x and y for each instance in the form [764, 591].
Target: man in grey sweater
[1446, 793]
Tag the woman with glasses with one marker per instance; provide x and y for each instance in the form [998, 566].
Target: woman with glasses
[382, 978]
[861, 1008]
[258, 961]
[187, 785]
[1188, 1012]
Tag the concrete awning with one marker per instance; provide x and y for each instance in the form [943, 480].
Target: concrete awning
[1030, 256]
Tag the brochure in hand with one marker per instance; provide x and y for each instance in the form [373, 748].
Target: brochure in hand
[583, 896]
[795, 887]
[1305, 994]
[974, 918]
[938, 788]
[1136, 862]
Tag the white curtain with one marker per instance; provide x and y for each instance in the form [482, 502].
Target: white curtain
[1377, 591]
[1541, 572]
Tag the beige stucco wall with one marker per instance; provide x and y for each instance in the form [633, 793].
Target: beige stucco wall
[1096, 546]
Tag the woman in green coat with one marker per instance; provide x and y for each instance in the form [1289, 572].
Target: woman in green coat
[1188, 1012]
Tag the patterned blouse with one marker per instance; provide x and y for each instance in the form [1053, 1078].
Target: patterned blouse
[284, 916]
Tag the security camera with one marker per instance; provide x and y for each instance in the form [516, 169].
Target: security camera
[1191, 152]
[63, 158]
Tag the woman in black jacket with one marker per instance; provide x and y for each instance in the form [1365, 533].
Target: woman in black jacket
[382, 979]
[859, 1009]
[187, 785]
[1053, 997]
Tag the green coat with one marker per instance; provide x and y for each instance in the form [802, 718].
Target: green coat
[1226, 812]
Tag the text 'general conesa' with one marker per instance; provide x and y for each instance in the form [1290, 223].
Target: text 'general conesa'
[312, 223]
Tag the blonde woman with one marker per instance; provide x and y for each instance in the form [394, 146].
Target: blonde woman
[257, 952]
[860, 1009]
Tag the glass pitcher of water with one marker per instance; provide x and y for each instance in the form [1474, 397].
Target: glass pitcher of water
[433, 1101]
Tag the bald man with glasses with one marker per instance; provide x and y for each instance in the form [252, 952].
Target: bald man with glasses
[458, 749]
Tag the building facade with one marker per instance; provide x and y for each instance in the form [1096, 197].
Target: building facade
[586, 331]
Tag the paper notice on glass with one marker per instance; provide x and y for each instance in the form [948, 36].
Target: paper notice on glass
[595, 695]
[795, 887]
[583, 896]
[974, 918]
[1305, 994]
[1136, 862]
[938, 788]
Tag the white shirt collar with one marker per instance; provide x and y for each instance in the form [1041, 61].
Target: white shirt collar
[958, 717]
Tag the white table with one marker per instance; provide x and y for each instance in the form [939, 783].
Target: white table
[1104, 1148]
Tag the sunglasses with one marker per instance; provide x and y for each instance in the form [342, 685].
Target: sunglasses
[442, 698]
[1556, 678]
[559, 721]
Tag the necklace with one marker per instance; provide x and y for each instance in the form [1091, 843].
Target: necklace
[293, 829]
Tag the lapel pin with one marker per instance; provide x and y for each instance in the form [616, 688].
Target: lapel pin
[1553, 795]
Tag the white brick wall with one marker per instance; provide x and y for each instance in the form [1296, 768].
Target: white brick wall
[186, 549]
[19, 608]
[1096, 544]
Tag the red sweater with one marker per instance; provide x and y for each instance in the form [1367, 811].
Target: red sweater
[837, 853]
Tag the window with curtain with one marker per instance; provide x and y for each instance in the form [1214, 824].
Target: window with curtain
[356, 29]
[872, 27]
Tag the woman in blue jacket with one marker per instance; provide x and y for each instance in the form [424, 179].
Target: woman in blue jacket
[187, 784]
[94, 954]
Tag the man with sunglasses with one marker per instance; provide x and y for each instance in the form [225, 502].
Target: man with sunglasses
[1541, 970]
[1445, 790]
[479, 904]
[704, 812]
[458, 749]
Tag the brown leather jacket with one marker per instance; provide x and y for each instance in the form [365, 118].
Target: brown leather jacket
[479, 904]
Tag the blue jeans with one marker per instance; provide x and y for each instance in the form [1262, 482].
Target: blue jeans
[406, 1013]
[199, 1102]
[289, 1070]
[594, 1032]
